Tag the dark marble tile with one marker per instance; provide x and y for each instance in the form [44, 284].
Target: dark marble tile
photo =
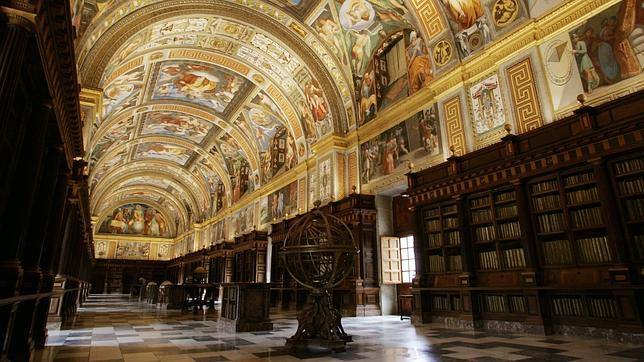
[553, 341]
[80, 334]
[237, 341]
[637, 353]
[221, 347]
[210, 359]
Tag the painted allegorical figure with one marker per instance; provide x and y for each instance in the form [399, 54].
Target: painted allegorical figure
[629, 15]
[464, 12]
[602, 46]
[135, 219]
[586, 66]
[419, 71]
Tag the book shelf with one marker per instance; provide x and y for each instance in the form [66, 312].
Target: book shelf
[496, 230]
[443, 238]
[551, 226]
[628, 179]
[569, 223]
[502, 303]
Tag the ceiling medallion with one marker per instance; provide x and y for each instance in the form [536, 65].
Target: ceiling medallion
[504, 12]
[442, 52]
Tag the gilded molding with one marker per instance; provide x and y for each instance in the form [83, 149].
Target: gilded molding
[430, 17]
[527, 108]
[454, 126]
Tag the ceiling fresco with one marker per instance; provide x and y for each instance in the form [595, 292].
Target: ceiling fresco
[202, 84]
[176, 124]
[204, 102]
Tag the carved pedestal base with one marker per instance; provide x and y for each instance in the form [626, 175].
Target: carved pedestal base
[319, 326]
[246, 306]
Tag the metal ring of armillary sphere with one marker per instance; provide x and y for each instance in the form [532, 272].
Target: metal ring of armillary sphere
[319, 252]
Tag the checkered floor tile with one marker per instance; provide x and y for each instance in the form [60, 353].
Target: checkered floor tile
[111, 328]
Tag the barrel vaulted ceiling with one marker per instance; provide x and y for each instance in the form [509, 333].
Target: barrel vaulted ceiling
[196, 93]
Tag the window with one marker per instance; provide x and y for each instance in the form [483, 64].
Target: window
[398, 261]
[408, 258]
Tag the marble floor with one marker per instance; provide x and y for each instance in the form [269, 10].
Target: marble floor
[110, 328]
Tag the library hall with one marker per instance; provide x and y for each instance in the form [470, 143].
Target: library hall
[321, 180]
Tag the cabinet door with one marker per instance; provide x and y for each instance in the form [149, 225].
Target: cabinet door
[391, 263]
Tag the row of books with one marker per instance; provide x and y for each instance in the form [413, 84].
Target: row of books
[432, 212]
[453, 238]
[517, 303]
[507, 211]
[567, 306]
[638, 240]
[440, 302]
[494, 303]
[587, 217]
[602, 307]
[510, 230]
[433, 225]
[434, 240]
[485, 233]
[635, 209]
[436, 264]
[579, 178]
[483, 215]
[454, 263]
[514, 258]
[550, 223]
[457, 303]
[545, 202]
[481, 201]
[629, 166]
[583, 195]
[557, 252]
[449, 209]
[633, 186]
[506, 196]
[545, 186]
[594, 250]
[450, 222]
[488, 260]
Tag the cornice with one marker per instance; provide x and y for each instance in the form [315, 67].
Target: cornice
[329, 143]
[125, 237]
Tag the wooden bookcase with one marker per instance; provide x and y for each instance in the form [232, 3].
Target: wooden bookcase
[628, 185]
[496, 230]
[359, 293]
[549, 225]
[569, 224]
[443, 238]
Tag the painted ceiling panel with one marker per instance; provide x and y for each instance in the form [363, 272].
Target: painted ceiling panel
[175, 124]
[206, 101]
